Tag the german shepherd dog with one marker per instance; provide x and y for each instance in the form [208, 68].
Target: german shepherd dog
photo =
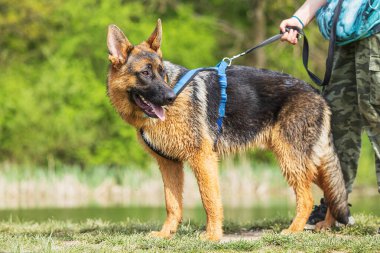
[264, 108]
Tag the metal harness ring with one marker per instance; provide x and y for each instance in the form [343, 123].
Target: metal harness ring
[227, 60]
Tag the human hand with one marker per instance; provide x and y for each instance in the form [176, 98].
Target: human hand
[290, 36]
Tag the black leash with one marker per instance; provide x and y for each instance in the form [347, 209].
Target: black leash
[262, 44]
[330, 55]
[305, 53]
[305, 49]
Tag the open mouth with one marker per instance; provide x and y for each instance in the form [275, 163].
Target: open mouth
[150, 109]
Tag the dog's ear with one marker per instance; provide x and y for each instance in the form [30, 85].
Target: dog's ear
[154, 40]
[118, 45]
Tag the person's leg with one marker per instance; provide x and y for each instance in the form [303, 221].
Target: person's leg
[368, 80]
[346, 122]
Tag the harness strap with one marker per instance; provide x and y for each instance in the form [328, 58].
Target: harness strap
[222, 77]
[222, 66]
[187, 77]
[156, 150]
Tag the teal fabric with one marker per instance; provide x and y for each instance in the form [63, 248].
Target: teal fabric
[356, 19]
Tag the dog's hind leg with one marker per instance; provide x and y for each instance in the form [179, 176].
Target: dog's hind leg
[205, 166]
[173, 177]
[330, 180]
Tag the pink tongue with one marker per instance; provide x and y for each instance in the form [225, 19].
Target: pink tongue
[159, 111]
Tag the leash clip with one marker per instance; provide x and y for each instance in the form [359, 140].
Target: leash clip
[227, 60]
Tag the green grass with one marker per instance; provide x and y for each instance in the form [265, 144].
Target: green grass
[131, 236]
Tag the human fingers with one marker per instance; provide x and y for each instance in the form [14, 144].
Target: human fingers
[283, 25]
[293, 36]
[289, 22]
[285, 37]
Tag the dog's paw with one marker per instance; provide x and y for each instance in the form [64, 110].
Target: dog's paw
[160, 234]
[207, 236]
[322, 226]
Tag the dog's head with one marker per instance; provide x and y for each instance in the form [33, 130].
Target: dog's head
[137, 80]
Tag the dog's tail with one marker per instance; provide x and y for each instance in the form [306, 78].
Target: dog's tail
[333, 185]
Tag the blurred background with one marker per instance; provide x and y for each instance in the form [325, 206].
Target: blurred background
[64, 151]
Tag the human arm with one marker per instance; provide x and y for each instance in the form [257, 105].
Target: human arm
[305, 13]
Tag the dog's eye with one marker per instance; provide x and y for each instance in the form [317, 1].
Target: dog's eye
[145, 73]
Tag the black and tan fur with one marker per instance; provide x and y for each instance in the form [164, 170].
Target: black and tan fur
[264, 108]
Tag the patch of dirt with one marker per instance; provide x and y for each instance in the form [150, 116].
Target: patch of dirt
[248, 235]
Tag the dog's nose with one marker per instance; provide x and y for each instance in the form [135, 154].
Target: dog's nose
[170, 97]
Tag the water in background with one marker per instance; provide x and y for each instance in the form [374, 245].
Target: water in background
[280, 208]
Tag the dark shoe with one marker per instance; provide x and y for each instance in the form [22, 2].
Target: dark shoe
[318, 214]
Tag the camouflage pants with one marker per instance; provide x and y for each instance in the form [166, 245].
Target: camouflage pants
[354, 97]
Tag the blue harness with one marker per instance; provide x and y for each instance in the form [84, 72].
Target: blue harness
[221, 70]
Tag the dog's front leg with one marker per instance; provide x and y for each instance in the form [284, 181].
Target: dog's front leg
[172, 175]
[205, 167]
